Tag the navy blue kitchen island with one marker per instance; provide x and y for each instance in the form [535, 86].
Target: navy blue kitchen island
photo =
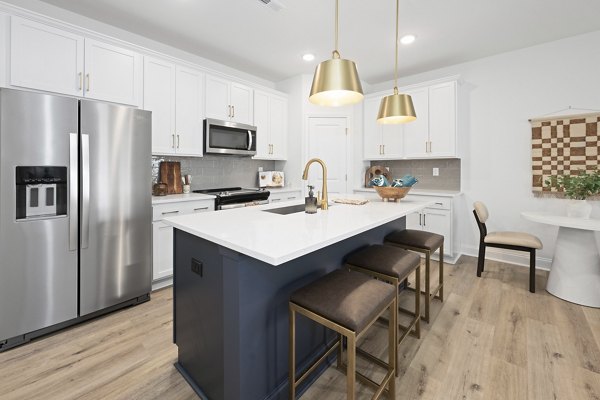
[231, 308]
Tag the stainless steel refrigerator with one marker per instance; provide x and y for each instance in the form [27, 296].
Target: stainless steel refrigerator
[75, 211]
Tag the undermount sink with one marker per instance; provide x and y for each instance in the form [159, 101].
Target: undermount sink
[286, 210]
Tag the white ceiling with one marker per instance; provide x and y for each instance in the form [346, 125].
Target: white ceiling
[249, 36]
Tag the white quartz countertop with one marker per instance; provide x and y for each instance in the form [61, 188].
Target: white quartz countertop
[176, 198]
[276, 239]
[419, 192]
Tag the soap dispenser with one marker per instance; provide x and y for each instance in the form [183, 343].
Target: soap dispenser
[310, 202]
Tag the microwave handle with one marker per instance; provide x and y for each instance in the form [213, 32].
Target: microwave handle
[249, 140]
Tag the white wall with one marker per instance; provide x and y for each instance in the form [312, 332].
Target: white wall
[497, 97]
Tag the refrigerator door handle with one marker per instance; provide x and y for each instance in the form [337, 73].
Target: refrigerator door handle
[73, 190]
[85, 191]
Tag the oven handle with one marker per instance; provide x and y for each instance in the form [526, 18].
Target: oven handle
[249, 140]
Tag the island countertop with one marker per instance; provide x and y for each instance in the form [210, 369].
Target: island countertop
[277, 239]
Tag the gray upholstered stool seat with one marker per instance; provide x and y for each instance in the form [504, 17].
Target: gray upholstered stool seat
[347, 298]
[427, 243]
[348, 303]
[415, 238]
[387, 260]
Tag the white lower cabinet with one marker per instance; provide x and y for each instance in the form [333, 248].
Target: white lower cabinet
[162, 234]
[276, 197]
[436, 219]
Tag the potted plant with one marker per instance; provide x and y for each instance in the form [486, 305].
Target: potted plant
[577, 188]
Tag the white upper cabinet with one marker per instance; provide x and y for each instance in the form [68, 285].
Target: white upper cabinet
[381, 141]
[270, 118]
[50, 59]
[442, 120]
[229, 101]
[159, 97]
[112, 73]
[432, 134]
[45, 58]
[174, 95]
[416, 133]
[189, 111]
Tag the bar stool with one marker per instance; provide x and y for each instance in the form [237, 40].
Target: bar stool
[348, 303]
[427, 243]
[393, 265]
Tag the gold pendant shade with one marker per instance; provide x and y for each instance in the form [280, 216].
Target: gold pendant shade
[396, 108]
[336, 83]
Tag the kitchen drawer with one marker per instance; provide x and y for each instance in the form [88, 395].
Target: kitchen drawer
[275, 197]
[440, 203]
[161, 211]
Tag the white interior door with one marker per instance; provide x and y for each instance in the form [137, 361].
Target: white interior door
[327, 140]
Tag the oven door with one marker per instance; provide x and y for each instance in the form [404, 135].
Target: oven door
[225, 137]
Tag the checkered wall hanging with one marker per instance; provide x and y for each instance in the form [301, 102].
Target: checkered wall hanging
[563, 146]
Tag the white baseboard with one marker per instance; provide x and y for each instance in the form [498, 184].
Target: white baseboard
[162, 283]
[508, 256]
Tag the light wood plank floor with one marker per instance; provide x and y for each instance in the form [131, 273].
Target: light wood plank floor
[490, 339]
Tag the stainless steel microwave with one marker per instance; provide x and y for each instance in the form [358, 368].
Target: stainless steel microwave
[226, 137]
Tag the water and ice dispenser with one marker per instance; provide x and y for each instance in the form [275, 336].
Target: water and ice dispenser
[41, 192]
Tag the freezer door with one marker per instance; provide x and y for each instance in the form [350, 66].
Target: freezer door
[38, 254]
[116, 210]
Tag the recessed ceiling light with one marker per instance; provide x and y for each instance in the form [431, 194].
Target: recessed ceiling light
[407, 39]
[308, 57]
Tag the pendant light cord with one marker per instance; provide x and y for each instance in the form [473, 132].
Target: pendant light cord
[336, 53]
[396, 64]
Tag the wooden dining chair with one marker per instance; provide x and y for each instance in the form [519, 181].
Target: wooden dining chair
[520, 241]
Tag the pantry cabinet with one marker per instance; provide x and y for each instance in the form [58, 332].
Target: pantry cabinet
[229, 101]
[174, 95]
[54, 60]
[270, 118]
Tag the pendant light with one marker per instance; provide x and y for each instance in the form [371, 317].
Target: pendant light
[336, 81]
[396, 108]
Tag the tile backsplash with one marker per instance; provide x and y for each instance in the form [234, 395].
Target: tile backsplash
[213, 171]
[448, 179]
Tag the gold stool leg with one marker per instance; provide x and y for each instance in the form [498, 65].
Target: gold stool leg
[441, 272]
[340, 358]
[427, 285]
[393, 347]
[418, 302]
[292, 354]
[351, 367]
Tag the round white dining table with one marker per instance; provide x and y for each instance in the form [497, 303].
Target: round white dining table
[575, 272]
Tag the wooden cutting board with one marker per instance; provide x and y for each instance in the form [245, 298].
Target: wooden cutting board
[170, 173]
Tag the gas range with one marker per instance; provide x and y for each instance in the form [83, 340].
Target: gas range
[234, 197]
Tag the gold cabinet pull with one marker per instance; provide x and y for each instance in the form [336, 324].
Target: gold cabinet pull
[80, 80]
[173, 141]
[87, 78]
[177, 141]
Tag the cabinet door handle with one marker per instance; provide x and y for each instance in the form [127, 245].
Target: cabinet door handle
[87, 78]
[384, 149]
[170, 212]
[232, 111]
[426, 147]
[173, 141]
[441, 204]
[200, 208]
[80, 80]
[177, 141]
[424, 220]
[430, 146]
[229, 111]
[420, 219]
[291, 198]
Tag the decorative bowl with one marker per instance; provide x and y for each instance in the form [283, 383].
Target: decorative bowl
[392, 193]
